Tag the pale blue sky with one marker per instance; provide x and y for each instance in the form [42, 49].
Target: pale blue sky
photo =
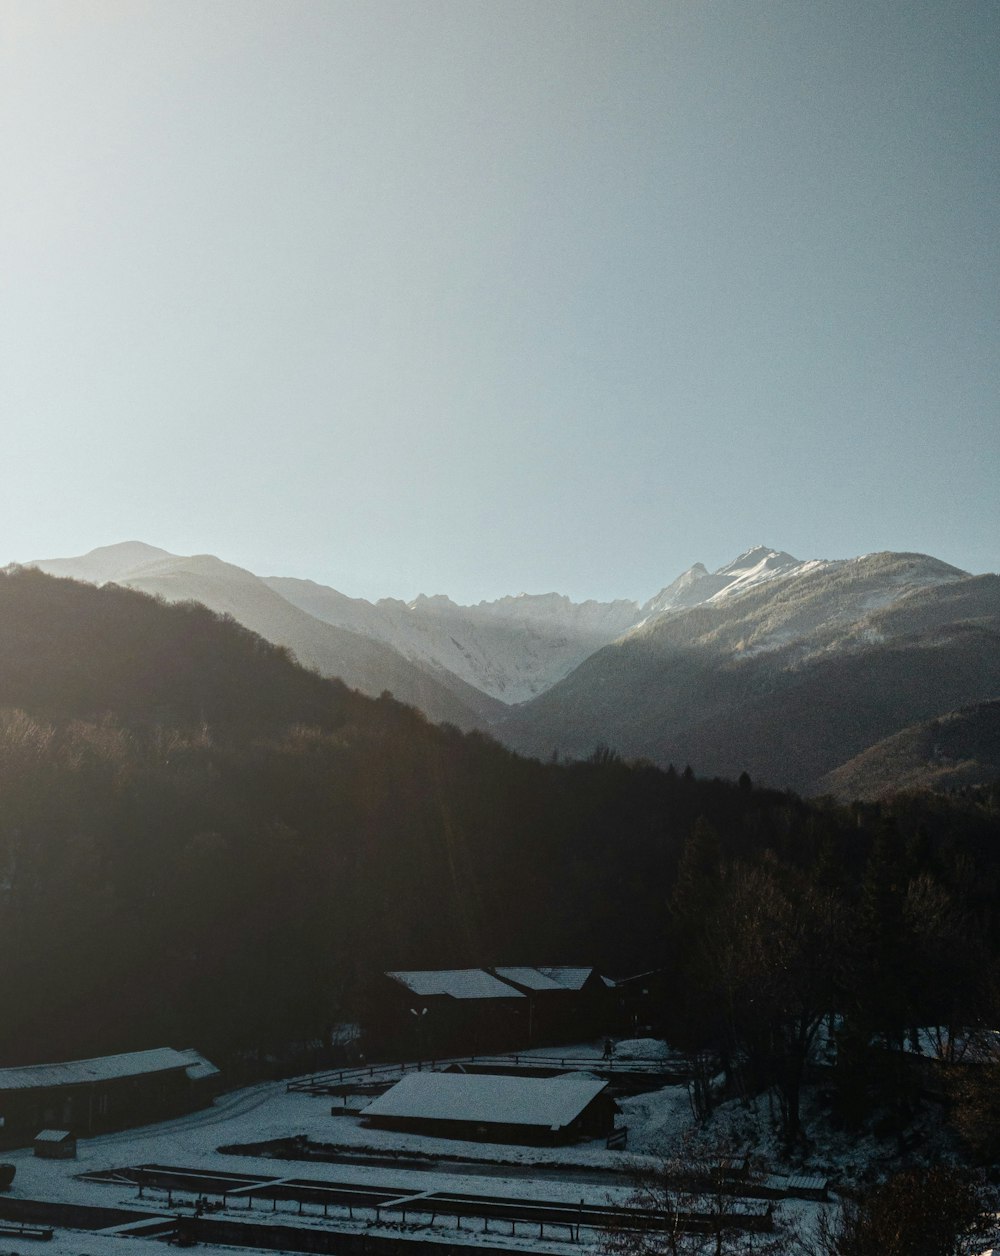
[483, 296]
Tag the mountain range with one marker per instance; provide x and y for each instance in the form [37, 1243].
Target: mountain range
[787, 669]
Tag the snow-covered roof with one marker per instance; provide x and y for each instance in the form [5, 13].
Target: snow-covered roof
[457, 983]
[568, 978]
[52, 1136]
[486, 1098]
[530, 978]
[106, 1068]
[198, 1067]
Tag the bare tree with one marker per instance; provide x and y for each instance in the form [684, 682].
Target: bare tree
[934, 1212]
[690, 1205]
[776, 947]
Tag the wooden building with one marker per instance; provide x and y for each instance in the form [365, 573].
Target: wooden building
[432, 1013]
[494, 1108]
[437, 1012]
[551, 1009]
[85, 1097]
[593, 1006]
[640, 1001]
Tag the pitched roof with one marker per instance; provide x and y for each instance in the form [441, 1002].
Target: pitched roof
[569, 978]
[530, 978]
[486, 1098]
[457, 983]
[105, 1068]
[198, 1068]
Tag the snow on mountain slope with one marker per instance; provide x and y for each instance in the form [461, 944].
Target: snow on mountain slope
[698, 585]
[515, 649]
[786, 679]
[772, 601]
[512, 648]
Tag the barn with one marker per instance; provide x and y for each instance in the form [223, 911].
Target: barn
[552, 1005]
[110, 1092]
[593, 995]
[430, 1013]
[487, 1107]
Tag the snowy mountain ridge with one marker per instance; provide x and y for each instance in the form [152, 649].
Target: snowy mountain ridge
[517, 647]
[753, 567]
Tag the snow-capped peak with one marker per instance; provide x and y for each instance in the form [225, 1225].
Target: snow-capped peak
[753, 567]
[698, 585]
[759, 558]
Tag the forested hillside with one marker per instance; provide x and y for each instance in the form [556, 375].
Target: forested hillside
[954, 751]
[202, 843]
[788, 680]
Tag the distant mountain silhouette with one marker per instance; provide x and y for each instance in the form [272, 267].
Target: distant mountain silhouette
[785, 668]
[361, 662]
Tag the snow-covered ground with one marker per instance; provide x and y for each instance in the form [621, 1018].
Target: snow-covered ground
[658, 1122]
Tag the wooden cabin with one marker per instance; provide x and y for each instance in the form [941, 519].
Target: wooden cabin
[486, 1107]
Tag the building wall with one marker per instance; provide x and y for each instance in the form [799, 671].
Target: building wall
[595, 1121]
[442, 1026]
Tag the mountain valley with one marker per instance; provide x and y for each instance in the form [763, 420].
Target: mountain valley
[784, 668]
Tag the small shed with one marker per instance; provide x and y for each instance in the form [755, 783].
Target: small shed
[55, 1145]
[496, 1108]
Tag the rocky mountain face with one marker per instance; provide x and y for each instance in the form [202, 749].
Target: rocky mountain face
[784, 668]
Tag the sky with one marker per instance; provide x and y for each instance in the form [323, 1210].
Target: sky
[488, 296]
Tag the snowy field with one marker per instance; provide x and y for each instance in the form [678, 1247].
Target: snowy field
[659, 1122]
